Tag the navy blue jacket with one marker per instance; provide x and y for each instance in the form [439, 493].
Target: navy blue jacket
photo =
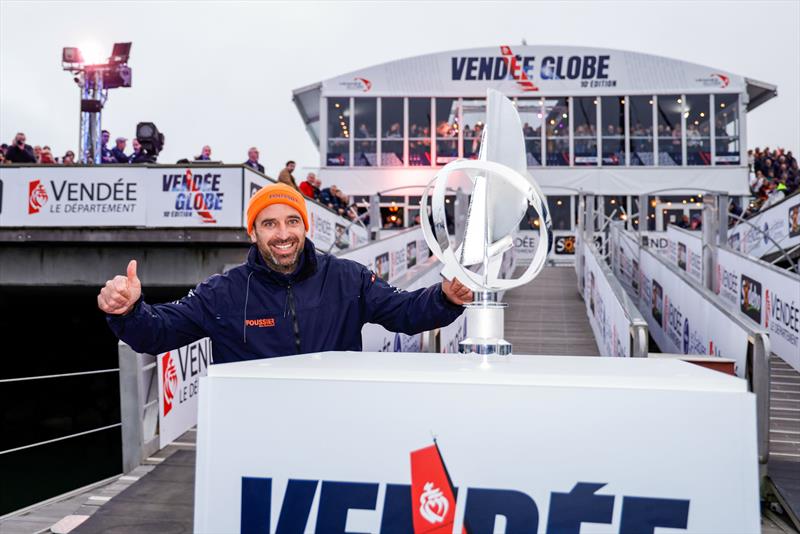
[254, 312]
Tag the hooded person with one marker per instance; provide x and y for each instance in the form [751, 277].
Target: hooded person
[287, 298]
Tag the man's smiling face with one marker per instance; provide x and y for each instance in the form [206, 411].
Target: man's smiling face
[280, 236]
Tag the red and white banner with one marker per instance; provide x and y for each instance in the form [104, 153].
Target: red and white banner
[767, 295]
[179, 373]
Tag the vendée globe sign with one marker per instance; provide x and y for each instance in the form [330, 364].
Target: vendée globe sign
[502, 193]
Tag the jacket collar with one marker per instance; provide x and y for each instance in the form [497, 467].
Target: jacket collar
[307, 265]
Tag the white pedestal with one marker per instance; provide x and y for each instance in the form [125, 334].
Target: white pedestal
[517, 435]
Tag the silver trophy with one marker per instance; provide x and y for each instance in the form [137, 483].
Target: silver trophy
[502, 192]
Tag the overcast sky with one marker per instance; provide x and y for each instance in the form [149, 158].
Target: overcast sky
[223, 73]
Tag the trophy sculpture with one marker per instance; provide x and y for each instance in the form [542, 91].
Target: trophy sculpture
[502, 192]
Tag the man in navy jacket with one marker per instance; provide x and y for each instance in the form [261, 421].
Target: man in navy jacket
[286, 298]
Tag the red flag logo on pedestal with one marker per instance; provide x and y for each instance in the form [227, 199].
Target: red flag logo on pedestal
[433, 500]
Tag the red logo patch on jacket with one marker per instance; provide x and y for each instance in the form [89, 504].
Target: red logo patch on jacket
[264, 322]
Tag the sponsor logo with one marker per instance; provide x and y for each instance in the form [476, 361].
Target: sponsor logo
[169, 380]
[428, 505]
[37, 196]
[565, 244]
[782, 317]
[357, 84]
[714, 80]
[195, 195]
[750, 298]
[264, 322]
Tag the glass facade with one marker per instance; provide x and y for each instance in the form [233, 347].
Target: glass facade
[726, 130]
[419, 131]
[613, 130]
[556, 113]
[473, 115]
[392, 132]
[698, 130]
[532, 118]
[446, 130]
[338, 154]
[585, 133]
[366, 132]
[639, 130]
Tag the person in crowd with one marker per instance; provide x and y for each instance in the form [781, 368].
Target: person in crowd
[3, 148]
[105, 153]
[46, 156]
[310, 187]
[19, 152]
[69, 158]
[2, 158]
[395, 131]
[138, 155]
[287, 177]
[205, 154]
[37, 152]
[330, 197]
[282, 267]
[118, 152]
[252, 160]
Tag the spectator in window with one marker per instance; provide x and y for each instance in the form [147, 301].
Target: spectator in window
[19, 152]
[309, 188]
[286, 176]
[394, 131]
[205, 154]
[363, 131]
[138, 155]
[118, 152]
[69, 158]
[105, 153]
[252, 160]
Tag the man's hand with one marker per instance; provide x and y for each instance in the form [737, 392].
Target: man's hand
[120, 293]
[456, 292]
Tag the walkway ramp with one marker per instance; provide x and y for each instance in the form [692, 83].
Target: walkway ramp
[548, 316]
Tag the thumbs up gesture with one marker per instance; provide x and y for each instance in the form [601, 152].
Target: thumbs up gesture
[121, 292]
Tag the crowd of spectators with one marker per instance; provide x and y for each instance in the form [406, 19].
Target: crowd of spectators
[774, 175]
[21, 152]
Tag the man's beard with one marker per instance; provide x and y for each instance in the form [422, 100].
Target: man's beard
[288, 265]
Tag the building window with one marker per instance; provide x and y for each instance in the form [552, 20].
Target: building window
[698, 130]
[446, 130]
[670, 108]
[392, 138]
[556, 112]
[584, 110]
[560, 216]
[473, 115]
[532, 117]
[419, 131]
[641, 128]
[613, 130]
[366, 135]
[338, 154]
[726, 127]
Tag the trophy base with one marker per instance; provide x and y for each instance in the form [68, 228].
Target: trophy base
[485, 320]
[499, 347]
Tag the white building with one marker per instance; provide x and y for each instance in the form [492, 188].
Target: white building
[612, 122]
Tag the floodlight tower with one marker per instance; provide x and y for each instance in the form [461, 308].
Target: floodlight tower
[94, 80]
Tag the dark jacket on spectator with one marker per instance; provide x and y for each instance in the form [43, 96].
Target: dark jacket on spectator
[15, 154]
[255, 165]
[119, 156]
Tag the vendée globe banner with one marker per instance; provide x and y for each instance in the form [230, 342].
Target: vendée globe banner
[681, 319]
[610, 323]
[781, 223]
[685, 251]
[766, 295]
[148, 197]
[522, 70]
